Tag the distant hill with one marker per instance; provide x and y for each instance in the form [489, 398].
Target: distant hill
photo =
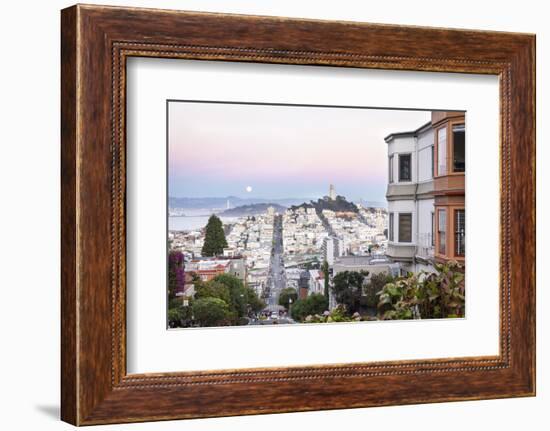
[234, 201]
[253, 209]
[340, 204]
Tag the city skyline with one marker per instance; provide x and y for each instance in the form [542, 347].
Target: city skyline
[277, 152]
[329, 260]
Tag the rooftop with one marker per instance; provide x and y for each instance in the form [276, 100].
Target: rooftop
[409, 133]
[361, 260]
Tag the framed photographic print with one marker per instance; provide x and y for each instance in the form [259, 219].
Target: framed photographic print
[255, 240]
[332, 214]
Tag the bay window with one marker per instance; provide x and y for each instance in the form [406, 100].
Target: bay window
[405, 167]
[442, 151]
[459, 153]
[405, 227]
[442, 231]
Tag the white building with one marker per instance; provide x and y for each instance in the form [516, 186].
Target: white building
[316, 282]
[410, 198]
[331, 249]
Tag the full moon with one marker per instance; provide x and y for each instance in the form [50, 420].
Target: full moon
[248, 189]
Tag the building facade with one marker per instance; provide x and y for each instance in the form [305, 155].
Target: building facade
[208, 268]
[449, 187]
[331, 249]
[425, 194]
[410, 197]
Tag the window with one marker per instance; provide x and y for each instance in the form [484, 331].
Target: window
[404, 167]
[442, 151]
[432, 233]
[390, 227]
[405, 227]
[460, 232]
[459, 138]
[432, 160]
[390, 169]
[442, 231]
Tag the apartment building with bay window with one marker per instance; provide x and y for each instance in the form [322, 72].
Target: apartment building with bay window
[450, 167]
[425, 193]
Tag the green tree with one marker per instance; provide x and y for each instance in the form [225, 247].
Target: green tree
[298, 310]
[211, 312]
[317, 303]
[237, 292]
[326, 274]
[240, 299]
[310, 306]
[175, 317]
[348, 288]
[178, 314]
[214, 240]
[255, 304]
[374, 286]
[213, 289]
[286, 295]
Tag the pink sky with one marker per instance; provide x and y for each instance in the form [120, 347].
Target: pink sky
[281, 151]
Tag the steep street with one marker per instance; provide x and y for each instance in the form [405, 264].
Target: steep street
[276, 268]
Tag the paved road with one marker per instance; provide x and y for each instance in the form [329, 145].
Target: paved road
[276, 267]
[276, 279]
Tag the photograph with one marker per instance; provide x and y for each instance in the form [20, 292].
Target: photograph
[275, 215]
[281, 214]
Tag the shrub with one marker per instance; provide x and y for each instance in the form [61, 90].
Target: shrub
[338, 314]
[425, 295]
